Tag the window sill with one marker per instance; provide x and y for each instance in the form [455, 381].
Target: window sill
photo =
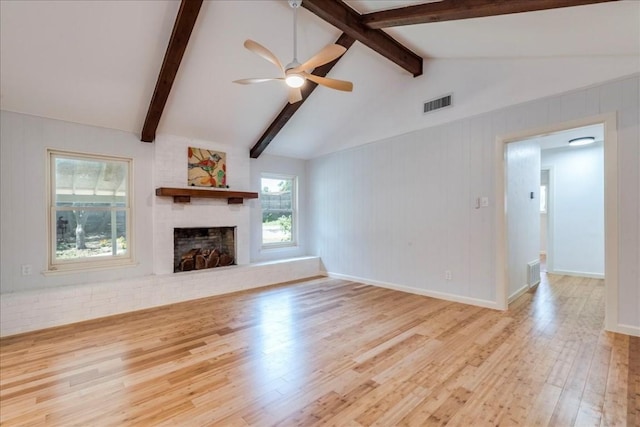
[64, 270]
[281, 246]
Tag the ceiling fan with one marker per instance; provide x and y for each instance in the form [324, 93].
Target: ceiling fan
[295, 74]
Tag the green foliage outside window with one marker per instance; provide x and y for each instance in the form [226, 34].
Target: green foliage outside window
[278, 201]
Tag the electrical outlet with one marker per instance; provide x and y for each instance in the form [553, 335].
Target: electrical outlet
[26, 270]
[484, 202]
[447, 275]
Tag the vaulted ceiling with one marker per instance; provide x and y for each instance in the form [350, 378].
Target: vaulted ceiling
[97, 62]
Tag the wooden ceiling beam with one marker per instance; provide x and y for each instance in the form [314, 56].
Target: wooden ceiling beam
[449, 10]
[185, 21]
[290, 109]
[347, 20]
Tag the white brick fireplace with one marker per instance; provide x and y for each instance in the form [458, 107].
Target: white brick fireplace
[170, 170]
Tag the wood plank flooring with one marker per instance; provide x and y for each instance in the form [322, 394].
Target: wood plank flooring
[335, 353]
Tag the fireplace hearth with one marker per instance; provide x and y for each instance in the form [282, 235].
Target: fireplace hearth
[200, 248]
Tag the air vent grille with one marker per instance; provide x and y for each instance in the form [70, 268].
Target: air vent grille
[533, 272]
[436, 104]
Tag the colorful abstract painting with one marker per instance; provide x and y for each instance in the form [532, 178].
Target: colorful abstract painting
[207, 168]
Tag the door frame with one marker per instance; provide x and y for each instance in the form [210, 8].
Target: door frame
[550, 223]
[609, 120]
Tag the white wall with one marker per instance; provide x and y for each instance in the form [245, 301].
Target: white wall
[523, 212]
[394, 100]
[283, 166]
[163, 163]
[400, 211]
[578, 210]
[24, 141]
[39, 301]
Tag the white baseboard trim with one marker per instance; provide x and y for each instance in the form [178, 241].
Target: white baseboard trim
[514, 296]
[626, 330]
[46, 308]
[578, 274]
[427, 293]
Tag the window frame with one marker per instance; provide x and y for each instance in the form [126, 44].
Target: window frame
[294, 211]
[87, 263]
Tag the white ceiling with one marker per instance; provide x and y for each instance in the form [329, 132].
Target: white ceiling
[96, 62]
[561, 139]
[599, 29]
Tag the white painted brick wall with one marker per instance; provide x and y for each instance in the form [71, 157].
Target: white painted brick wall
[39, 309]
[170, 170]
[39, 301]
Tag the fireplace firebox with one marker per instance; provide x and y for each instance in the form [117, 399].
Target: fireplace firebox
[200, 248]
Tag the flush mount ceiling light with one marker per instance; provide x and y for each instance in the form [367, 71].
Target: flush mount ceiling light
[584, 140]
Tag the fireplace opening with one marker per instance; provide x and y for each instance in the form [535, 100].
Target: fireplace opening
[200, 248]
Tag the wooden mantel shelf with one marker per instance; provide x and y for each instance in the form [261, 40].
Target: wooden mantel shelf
[184, 195]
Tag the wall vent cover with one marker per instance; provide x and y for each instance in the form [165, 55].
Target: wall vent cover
[436, 104]
[533, 273]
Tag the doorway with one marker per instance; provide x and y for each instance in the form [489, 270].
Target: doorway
[572, 202]
[504, 265]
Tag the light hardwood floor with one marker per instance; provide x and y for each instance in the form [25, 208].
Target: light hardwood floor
[331, 352]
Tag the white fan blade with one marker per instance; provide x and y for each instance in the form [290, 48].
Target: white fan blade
[295, 95]
[327, 54]
[250, 81]
[258, 49]
[331, 83]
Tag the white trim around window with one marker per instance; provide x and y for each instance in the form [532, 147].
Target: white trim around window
[89, 213]
[279, 210]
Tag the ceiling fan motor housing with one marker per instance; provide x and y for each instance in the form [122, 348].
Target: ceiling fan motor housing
[291, 65]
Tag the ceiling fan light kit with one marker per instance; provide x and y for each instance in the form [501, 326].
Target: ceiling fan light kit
[294, 80]
[296, 74]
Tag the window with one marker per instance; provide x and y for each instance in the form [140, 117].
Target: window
[89, 211]
[278, 199]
